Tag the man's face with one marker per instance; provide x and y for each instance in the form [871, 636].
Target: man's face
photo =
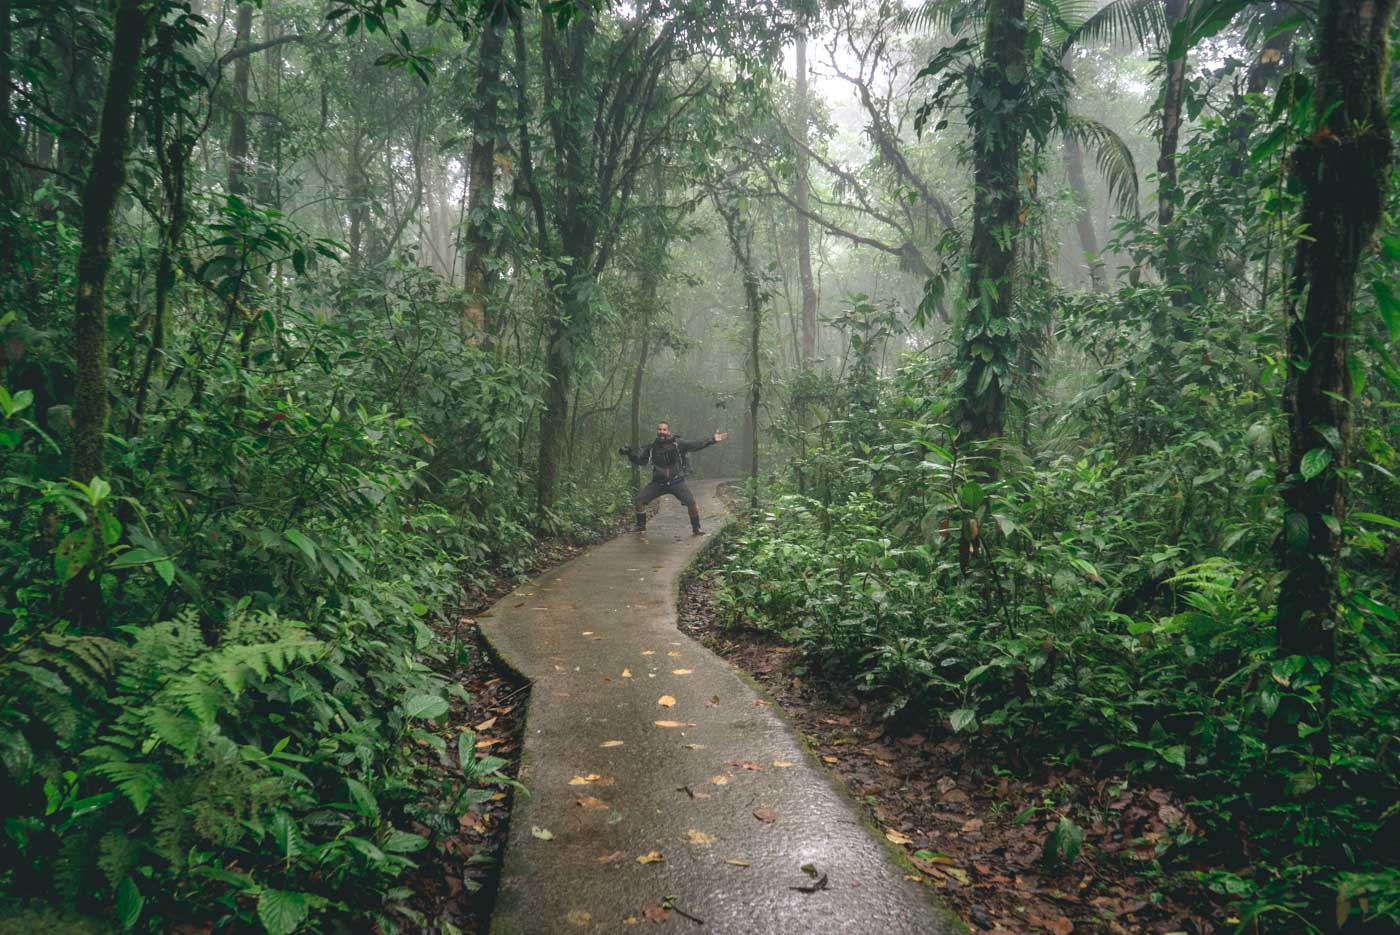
[663, 430]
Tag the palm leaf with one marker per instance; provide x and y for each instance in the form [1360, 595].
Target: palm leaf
[1121, 22]
[1113, 158]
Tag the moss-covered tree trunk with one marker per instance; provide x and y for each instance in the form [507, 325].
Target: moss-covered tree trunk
[104, 183]
[1343, 170]
[984, 349]
[1173, 101]
[481, 167]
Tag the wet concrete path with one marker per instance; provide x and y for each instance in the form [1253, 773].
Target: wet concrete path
[640, 743]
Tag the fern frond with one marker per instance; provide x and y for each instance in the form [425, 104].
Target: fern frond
[137, 781]
[1113, 158]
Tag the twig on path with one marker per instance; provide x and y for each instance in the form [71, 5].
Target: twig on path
[670, 903]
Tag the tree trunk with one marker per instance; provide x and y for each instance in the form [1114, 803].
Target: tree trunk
[1173, 99]
[238, 120]
[482, 181]
[804, 236]
[554, 420]
[753, 298]
[104, 184]
[996, 144]
[1343, 171]
[1084, 223]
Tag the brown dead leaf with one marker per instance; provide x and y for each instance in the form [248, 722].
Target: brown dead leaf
[611, 858]
[589, 801]
[487, 742]
[895, 837]
[734, 862]
[749, 765]
[666, 701]
[487, 724]
[655, 912]
[765, 814]
[782, 764]
[651, 857]
[830, 759]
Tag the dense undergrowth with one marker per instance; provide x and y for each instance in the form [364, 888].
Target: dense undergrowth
[1107, 602]
[217, 660]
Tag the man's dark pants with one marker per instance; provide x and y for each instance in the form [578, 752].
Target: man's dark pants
[678, 490]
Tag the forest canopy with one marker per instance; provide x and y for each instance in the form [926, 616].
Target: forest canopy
[1057, 338]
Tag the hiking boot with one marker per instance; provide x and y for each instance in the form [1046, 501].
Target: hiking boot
[697, 531]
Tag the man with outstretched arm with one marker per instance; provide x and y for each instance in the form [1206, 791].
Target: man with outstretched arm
[666, 455]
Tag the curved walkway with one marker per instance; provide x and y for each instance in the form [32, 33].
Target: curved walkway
[640, 743]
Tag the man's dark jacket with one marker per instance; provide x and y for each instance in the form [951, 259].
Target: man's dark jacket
[664, 456]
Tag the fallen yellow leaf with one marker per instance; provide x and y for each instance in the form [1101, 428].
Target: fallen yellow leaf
[681, 671]
[627, 673]
[651, 857]
[720, 780]
[648, 652]
[894, 837]
[739, 863]
[586, 633]
[487, 724]
[580, 918]
[584, 780]
[673, 653]
[611, 743]
[830, 759]
[666, 701]
[673, 724]
[782, 764]
[699, 837]
[589, 801]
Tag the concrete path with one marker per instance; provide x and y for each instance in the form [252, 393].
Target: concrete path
[640, 743]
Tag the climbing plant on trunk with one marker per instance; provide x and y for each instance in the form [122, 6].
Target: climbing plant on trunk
[1343, 170]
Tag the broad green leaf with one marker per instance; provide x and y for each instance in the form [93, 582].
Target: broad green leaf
[1314, 463]
[282, 911]
[963, 719]
[307, 547]
[425, 706]
[1376, 518]
[130, 902]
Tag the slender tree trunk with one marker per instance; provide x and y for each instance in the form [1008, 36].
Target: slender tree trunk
[104, 184]
[238, 120]
[753, 298]
[9, 132]
[996, 144]
[1084, 223]
[482, 181]
[1343, 171]
[804, 236]
[1173, 100]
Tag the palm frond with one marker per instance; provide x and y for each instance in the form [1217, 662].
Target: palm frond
[1121, 22]
[951, 16]
[1112, 157]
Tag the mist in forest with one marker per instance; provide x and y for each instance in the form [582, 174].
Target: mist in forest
[1046, 348]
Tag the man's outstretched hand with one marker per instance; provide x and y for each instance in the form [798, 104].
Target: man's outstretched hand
[721, 436]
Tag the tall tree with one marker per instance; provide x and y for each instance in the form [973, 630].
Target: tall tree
[105, 179]
[1343, 170]
[481, 172]
[802, 183]
[997, 135]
